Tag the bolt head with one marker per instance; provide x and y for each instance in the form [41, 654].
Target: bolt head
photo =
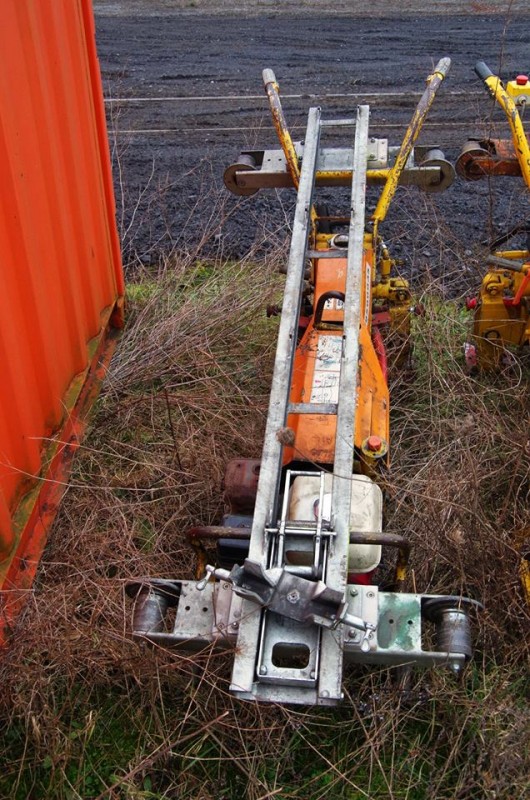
[374, 443]
[263, 670]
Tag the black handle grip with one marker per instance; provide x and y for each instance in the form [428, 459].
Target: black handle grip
[482, 70]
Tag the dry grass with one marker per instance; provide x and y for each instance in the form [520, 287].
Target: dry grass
[88, 713]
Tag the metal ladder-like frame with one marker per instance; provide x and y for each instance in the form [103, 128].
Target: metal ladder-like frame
[252, 676]
[286, 609]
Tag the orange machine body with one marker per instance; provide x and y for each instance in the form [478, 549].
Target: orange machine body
[316, 368]
[62, 281]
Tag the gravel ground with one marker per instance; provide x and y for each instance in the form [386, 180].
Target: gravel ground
[350, 8]
[198, 75]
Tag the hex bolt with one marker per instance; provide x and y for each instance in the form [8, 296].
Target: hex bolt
[235, 625]
[263, 670]
[294, 596]
[352, 634]
[374, 443]
[353, 592]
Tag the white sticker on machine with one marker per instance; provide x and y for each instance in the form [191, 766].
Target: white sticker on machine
[334, 305]
[325, 388]
[367, 291]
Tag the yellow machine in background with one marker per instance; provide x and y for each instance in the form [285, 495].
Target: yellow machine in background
[502, 309]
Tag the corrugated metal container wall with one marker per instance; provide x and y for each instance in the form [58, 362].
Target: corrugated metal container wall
[59, 253]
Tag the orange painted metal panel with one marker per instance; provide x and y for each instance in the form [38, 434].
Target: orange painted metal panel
[62, 283]
[316, 372]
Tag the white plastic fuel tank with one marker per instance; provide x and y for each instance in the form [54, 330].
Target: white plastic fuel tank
[366, 513]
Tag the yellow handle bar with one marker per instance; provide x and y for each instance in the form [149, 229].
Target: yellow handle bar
[507, 103]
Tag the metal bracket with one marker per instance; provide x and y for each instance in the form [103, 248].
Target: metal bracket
[269, 169]
[289, 595]
[401, 629]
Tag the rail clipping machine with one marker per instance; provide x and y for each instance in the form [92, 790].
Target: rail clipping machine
[502, 309]
[501, 321]
[294, 595]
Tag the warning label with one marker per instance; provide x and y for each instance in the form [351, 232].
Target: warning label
[325, 388]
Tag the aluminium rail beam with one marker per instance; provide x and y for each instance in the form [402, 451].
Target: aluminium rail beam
[266, 511]
[346, 412]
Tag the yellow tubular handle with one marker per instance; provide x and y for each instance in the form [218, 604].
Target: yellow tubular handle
[273, 93]
[433, 82]
[507, 103]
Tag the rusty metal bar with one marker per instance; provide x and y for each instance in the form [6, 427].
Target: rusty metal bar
[242, 180]
[388, 540]
[505, 263]
[215, 532]
[280, 123]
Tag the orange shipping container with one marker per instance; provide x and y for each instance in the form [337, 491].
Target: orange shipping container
[62, 284]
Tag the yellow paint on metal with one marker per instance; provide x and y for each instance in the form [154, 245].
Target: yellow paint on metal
[341, 176]
[433, 82]
[273, 93]
[400, 575]
[509, 107]
[515, 255]
[496, 324]
[519, 90]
